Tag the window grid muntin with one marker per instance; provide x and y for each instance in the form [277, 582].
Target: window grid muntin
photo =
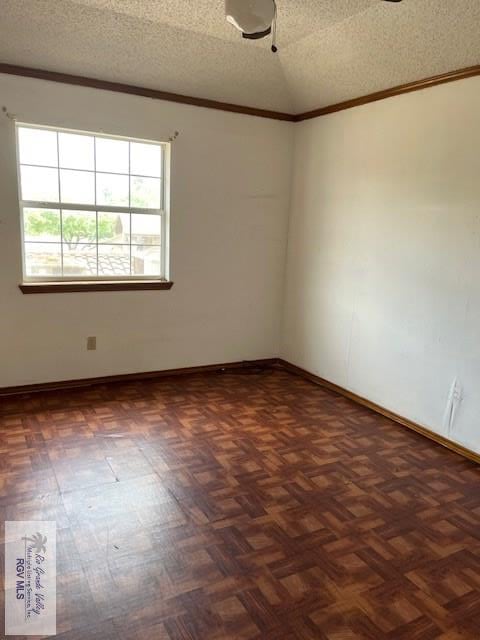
[130, 217]
[95, 194]
[110, 173]
[61, 206]
[157, 245]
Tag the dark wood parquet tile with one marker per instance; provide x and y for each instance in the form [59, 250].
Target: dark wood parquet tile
[243, 506]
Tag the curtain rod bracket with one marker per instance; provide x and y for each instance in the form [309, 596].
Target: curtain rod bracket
[9, 115]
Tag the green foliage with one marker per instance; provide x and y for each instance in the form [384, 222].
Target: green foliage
[75, 228]
[40, 223]
[107, 227]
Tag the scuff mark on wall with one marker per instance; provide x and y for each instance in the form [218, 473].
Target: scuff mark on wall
[454, 399]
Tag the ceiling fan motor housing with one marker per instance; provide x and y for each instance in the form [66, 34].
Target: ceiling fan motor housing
[252, 17]
[255, 19]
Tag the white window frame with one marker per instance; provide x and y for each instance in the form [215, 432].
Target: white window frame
[163, 212]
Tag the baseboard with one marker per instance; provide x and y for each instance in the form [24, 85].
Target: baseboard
[264, 363]
[132, 377]
[424, 431]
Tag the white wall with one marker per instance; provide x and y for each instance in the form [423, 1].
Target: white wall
[230, 197]
[383, 276]
[383, 286]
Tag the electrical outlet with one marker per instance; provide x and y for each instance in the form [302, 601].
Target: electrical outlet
[92, 343]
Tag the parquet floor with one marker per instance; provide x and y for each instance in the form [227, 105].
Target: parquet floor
[242, 506]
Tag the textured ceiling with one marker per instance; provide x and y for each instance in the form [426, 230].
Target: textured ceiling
[296, 18]
[330, 50]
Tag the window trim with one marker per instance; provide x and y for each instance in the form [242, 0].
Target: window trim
[32, 284]
[94, 285]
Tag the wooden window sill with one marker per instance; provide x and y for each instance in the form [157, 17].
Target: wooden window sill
[99, 285]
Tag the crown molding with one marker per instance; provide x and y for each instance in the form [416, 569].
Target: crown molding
[425, 83]
[118, 87]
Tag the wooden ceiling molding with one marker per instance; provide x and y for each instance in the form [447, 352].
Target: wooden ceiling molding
[105, 85]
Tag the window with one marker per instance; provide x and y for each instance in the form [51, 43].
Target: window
[93, 207]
